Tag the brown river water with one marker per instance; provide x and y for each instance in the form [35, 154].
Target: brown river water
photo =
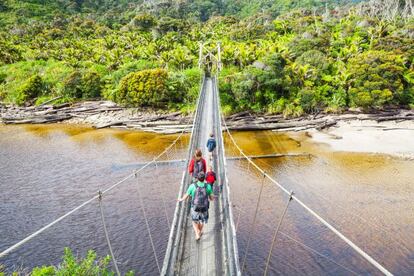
[47, 170]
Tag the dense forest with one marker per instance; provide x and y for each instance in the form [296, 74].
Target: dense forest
[290, 57]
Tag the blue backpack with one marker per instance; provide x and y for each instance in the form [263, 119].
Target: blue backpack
[211, 144]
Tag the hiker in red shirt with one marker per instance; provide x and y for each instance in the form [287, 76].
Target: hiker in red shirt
[197, 164]
[210, 177]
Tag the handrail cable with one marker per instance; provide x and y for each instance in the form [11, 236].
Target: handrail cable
[323, 221]
[36, 233]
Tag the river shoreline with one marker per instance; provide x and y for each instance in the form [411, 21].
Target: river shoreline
[103, 114]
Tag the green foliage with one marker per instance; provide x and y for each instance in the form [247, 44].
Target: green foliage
[9, 53]
[279, 59]
[82, 84]
[185, 83]
[145, 88]
[30, 89]
[71, 265]
[144, 22]
[111, 80]
[377, 79]
[158, 88]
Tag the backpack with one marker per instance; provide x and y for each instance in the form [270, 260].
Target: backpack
[211, 145]
[198, 167]
[200, 201]
[210, 174]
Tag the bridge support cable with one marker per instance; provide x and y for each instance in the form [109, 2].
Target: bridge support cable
[148, 227]
[106, 234]
[161, 195]
[251, 233]
[304, 246]
[276, 232]
[80, 206]
[313, 213]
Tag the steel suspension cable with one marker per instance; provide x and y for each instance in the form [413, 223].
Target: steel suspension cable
[106, 233]
[323, 221]
[251, 233]
[148, 229]
[276, 232]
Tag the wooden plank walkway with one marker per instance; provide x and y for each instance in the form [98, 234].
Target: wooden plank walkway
[203, 257]
[216, 252]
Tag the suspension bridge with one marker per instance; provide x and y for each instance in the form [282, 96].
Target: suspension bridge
[217, 253]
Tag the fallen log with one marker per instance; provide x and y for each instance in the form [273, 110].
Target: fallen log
[326, 125]
[240, 114]
[277, 155]
[394, 118]
[60, 106]
[105, 125]
[277, 125]
[160, 117]
[51, 100]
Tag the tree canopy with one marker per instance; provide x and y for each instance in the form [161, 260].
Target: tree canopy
[285, 57]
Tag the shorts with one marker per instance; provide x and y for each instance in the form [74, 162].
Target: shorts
[200, 217]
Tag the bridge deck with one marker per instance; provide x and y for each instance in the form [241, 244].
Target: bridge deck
[216, 252]
[204, 256]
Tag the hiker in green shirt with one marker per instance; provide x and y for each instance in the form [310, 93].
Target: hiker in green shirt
[200, 194]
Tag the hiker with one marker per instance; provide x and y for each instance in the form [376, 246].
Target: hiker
[210, 177]
[197, 165]
[211, 145]
[200, 194]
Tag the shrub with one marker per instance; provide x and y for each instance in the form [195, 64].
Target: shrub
[377, 79]
[144, 21]
[277, 106]
[82, 84]
[72, 85]
[111, 81]
[185, 84]
[90, 265]
[3, 77]
[31, 89]
[91, 85]
[145, 88]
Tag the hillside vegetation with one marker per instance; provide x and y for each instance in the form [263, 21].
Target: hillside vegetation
[289, 57]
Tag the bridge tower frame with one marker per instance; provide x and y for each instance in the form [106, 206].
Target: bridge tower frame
[208, 59]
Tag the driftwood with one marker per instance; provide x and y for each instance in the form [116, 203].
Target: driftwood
[394, 118]
[52, 113]
[276, 155]
[272, 126]
[51, 100]
[175, 122]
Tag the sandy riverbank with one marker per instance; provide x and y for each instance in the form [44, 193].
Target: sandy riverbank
[389, 137]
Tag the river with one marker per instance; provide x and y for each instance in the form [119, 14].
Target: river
[47, 170]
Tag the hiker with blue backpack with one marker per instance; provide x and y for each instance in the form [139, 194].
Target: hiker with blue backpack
[211, 145]
[200, 194]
